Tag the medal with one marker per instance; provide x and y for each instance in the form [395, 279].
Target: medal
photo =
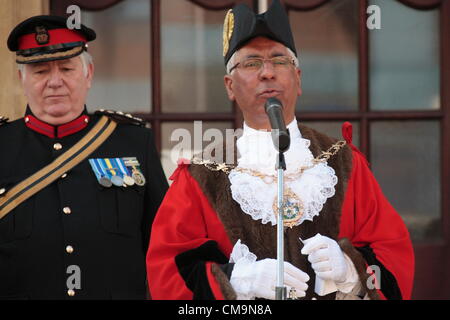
[117, 180]
[292, 208]
[127, 179]
[105, 182]
[115, 177]
[136, 173]
[138, 177]
[100, 173]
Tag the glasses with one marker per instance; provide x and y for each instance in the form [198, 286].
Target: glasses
[255, 64]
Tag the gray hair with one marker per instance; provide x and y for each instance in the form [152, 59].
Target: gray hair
[232, 62]
[86, 60]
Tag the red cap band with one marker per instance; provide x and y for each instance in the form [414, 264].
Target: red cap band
[57, 36]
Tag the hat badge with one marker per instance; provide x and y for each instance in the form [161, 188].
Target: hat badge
[42, 36]
[228, 26]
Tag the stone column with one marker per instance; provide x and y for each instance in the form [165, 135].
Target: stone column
[12, 100]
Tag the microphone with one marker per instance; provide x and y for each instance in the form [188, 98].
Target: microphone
[280, 135]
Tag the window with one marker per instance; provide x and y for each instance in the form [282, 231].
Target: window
[403, 76]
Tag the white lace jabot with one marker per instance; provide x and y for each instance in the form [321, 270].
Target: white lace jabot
[257, 152]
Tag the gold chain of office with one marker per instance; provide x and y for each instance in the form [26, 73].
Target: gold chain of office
[322, 158]
[293, 207]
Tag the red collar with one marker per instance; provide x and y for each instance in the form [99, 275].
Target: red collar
[56, 131]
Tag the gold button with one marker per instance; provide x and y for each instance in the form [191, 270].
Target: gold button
[2, 191]
[70, 292]
[57, 146]
[67, 210]
[27, 119]
[69, 249]
[64, 175]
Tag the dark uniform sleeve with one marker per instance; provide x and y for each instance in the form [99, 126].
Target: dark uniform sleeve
[156, 188]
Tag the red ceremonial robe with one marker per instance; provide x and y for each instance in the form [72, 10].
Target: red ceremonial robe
[186, 226]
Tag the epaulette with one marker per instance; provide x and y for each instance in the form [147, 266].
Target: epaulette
[3, 120]
[121, 117]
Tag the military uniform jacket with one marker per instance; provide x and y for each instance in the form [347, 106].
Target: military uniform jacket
[75, 224]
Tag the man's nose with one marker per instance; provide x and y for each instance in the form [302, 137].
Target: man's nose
[55, 79]
[267, 71]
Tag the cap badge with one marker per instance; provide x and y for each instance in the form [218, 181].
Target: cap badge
[228, 26]
[42, 36]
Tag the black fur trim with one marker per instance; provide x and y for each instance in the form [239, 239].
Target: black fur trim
[388, 283]
[227, 268]
[191, 265]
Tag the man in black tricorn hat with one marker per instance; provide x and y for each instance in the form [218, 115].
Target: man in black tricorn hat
[78, 191]
[214, 236]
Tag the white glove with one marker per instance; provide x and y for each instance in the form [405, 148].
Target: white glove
[258, 279]
[326, 257]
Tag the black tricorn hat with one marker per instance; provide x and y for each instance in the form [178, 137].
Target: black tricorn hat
[242, 24]
[46, 38]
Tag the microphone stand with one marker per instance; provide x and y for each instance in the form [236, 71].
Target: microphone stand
[281, 140]
[280, 289]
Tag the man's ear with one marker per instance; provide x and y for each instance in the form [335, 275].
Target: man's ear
[228, 80]
[20, 74]
[299, 77]
[90, 74]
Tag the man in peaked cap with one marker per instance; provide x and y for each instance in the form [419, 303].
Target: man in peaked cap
[214, 236]
[78, 191]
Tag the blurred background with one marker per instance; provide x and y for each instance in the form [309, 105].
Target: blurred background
[162, 61]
